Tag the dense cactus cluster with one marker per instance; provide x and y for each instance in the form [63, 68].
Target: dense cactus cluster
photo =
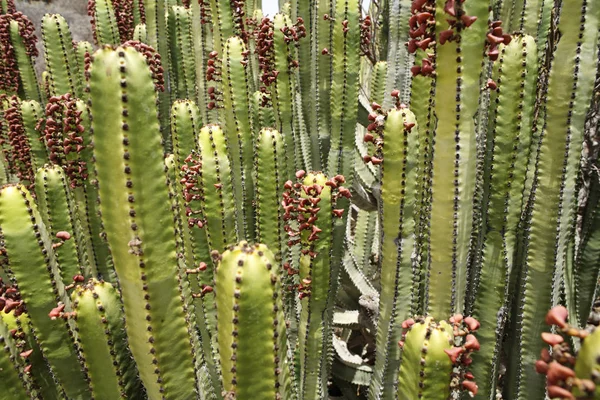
[338, 201]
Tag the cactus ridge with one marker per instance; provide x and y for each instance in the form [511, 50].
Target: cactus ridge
[61, 62]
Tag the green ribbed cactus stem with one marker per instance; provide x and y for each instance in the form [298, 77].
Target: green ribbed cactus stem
[7, 6]
[282, 86]
[139, 16]
[185, 123]
[183, 62]
[25, 54]
[16, 384]
[61, 60]
[104, 22]
[200, 33]
[317, 103]
[433, 358]
[509, 142]
[67, 138]
[555, 194]
[139, 221]
[222, 21]
[140, 33]
[252, 330]
[377, 88]
[213, 188]
[158, 39]
[31, 113]
[239, 131]
[83, 51]
[200, 308]
[263, 114]
[32, 262]
[269, 173]
[270, 228]
[88, 208]
[344, 89]
[395, 135]
[20, 328]
[58, 210]
[100, 325]
[310, 211]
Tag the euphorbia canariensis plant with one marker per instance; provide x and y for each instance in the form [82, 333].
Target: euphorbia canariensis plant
[418, 172]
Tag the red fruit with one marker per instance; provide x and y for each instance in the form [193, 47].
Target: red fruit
[470, 386]
[395, 93]
[26, 354]
[559, 392]
[558, 373]
[55, 313]
[494, 39]
[471, 343]
[468, 20]
[557, 316]
[491, 84]
[449, 8]
[415, 70]
[63, 235]
[412, 46]
[406, 324]
[300, 174]
[454, 353]
[472, 323]
[541, 367]
[552, 339]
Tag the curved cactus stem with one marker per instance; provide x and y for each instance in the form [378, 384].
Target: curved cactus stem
[138, 219]
[183, 62]
[568, 96]
[398, 217]
[61, 60]
[100, 325]
[104, 22]
[239, 131]
[252, 333]
[58, 210]
[33, 264]
[25, 63]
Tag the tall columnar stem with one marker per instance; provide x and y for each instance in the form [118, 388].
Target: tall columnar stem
[139, 222]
